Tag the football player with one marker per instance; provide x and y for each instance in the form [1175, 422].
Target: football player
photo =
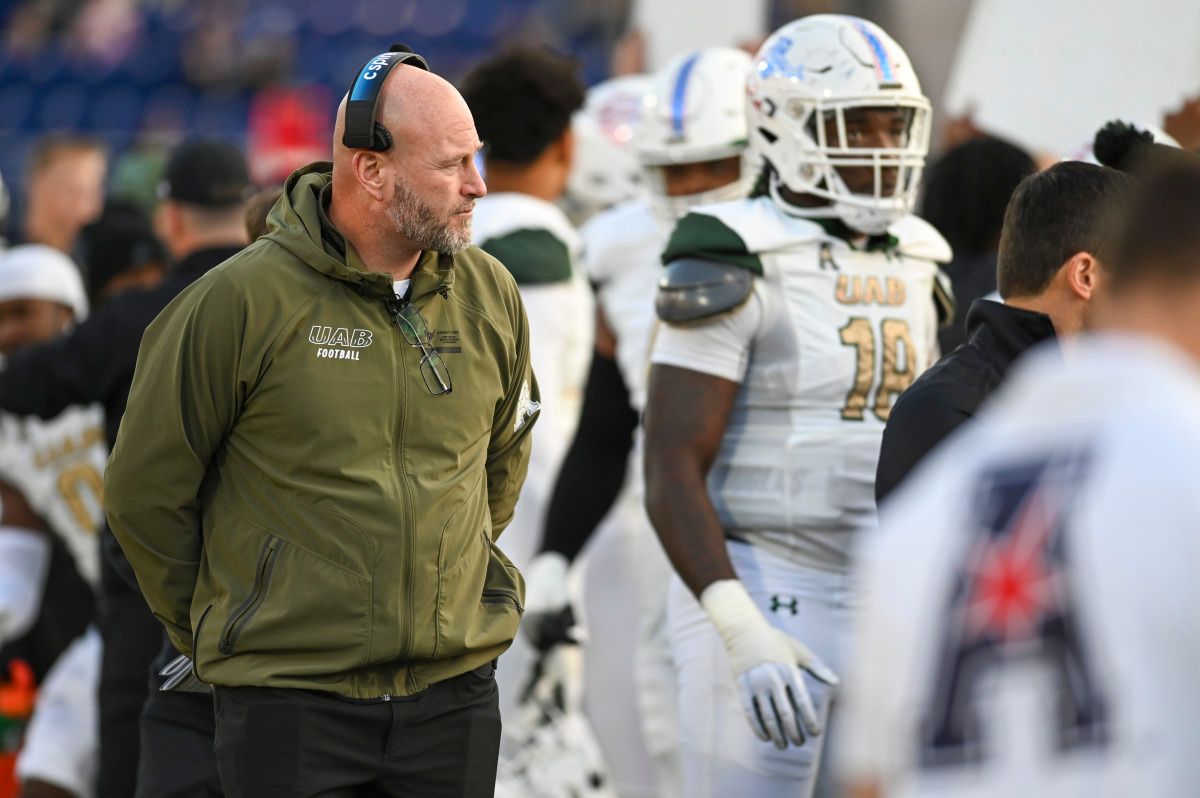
[793, 319]
[691, 145]
[522, 102]
[50, 486]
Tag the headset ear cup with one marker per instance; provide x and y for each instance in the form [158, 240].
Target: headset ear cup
[383, 138]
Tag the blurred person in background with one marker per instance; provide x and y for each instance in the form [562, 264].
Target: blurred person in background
[199, 218]
[61, 749]
[257, 210]
[691, 147]
[121, 251]
[1032, 621]
[604, 169]
[64, 190]
[50, 488]
[792, 321]
[966, 191]
[202, 222]
[1053, 249]
[523, 101]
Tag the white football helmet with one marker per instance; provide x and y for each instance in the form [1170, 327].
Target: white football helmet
[557, 755]
[694, 112]
[604, 170]
[810, 73]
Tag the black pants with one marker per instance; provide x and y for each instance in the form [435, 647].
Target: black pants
[131, 639]
[177, 759]
[440, 743]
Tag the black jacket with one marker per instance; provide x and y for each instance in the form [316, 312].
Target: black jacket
[94, 363]
[972, 276]
[951, 391]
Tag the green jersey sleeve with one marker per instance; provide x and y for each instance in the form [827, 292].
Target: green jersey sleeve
[532, 256]
[705, 237]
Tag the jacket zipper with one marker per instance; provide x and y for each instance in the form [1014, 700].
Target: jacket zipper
[406, 629]
[244, 613]
[496, 596]
[401, 415]
[196, 634]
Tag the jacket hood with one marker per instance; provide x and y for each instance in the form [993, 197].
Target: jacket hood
[298, 223]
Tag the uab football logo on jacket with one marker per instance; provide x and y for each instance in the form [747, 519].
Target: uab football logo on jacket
[339, 343]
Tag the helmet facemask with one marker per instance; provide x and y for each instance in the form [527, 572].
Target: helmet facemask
[822, 148]
[672, 208]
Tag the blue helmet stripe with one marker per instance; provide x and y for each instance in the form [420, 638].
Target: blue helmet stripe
[881, 56]
[680, 92]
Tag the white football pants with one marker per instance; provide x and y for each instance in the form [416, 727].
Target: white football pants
[721, 756]
[629, 693]
[62, 741]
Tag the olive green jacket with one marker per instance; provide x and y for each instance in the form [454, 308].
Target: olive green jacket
[300, 510]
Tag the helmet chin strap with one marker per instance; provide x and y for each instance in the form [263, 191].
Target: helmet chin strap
[861, 217]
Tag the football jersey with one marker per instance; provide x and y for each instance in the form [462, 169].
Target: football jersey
[58, 465]
[537, 243]
[1032, 617]
[621, 252]
[830, 336]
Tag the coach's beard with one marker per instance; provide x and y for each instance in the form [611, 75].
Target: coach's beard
[417, 222]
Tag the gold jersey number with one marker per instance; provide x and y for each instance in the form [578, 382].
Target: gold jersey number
[75, 483]
[896, 367]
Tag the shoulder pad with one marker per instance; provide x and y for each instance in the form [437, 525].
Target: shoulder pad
[694, 289]
[943, 298]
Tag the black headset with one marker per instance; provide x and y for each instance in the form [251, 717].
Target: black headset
[361, 131]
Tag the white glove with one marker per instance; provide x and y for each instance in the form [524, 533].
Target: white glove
[24, 566]
[766, 663]
[555, 684]
[548, 619]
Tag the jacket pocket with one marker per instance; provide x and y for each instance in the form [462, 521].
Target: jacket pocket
[245, 611]
[312, 616]
[479, 601]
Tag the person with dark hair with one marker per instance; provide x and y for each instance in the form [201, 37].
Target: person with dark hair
[120, 251]
[523, 101]
[1033, 588]
[1054, 246]
[686, 165]
[257, 210]
[966, 192]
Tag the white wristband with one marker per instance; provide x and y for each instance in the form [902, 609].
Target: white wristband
[730, 608]
[546, 582]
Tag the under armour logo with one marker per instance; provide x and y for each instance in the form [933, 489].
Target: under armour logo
[777, 604]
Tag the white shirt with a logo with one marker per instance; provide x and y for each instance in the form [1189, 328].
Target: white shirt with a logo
[1032, 616]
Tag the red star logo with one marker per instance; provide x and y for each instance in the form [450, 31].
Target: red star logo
[1013, 579]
